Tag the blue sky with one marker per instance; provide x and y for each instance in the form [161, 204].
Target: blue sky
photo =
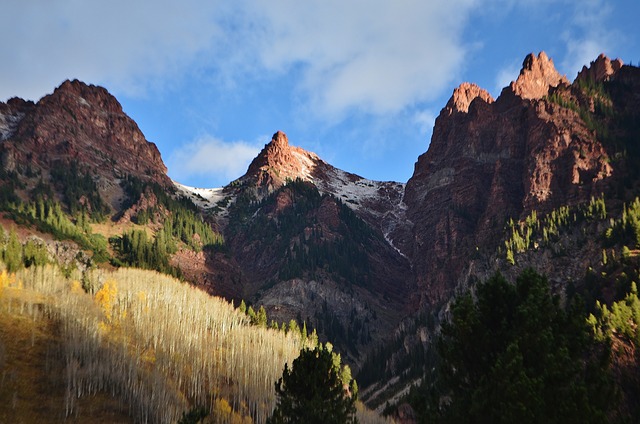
[357, 82]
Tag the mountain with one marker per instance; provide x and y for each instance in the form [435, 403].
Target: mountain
[80, 125]
[378, 203]
[491, 160]
[313, 244]
[545, 175]
[75, 152]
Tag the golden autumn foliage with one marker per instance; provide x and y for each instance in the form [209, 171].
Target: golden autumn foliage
[106, 298]
[159, 346]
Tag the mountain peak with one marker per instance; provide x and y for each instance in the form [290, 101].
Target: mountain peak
[75, 93]
[600, 69]
[537, 75]
[79, 123]
[280, 139]
[277, 162]
[275, 155]
[464, 94]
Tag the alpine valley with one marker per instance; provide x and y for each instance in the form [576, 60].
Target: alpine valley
[545, 176]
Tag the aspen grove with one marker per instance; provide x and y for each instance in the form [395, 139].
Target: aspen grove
[160, 346]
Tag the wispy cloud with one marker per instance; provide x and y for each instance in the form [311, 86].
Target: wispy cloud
[505, 75]
[425, 119]
[212, 159]
[128, 45]
[587, 36]
[371, 56]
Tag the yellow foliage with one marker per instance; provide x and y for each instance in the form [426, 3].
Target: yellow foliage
[106, 297]
[8, 280]
[179, 345]
[103, 327]
[148, 356]
[4, 279]
[76, 287]
[222, 412]
[221, 409]
[142, 296]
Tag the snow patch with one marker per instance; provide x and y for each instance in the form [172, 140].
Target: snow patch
[357, 192]
[8, 125]
[307, 164]
[206, 198]
[379, 202]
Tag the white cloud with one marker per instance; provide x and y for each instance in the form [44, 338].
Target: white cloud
[506, 75]
[588, 36]
[129, 45]
[582, 52]
[425, 119]
[210, 158]
[374, 56]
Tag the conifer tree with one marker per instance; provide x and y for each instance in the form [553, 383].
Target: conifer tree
[13, 252]
[313, 391]
[513, 354]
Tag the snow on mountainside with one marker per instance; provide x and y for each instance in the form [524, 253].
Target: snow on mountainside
[8, 124]
[379, 203]
[206, 198]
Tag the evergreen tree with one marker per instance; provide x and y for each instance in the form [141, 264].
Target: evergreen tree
[313, 391]
[261, 317]
[251, 313]
[514, 355]
[13, 252]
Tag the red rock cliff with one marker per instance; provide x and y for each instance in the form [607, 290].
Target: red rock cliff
[82, 123]
[490, 161]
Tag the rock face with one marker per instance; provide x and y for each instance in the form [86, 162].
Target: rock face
[277, 163]
[536, 77]
[490, 161]
[77, 123]
[464, 95]
[348, 254]
[600, 69]
[312, 244]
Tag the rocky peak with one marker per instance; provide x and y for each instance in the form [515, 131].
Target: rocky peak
[78, 94]
[464, 95]
[280, 140]
[537, 75]
[600, 69]
[83, 124]
[277, 162]
[499, 160]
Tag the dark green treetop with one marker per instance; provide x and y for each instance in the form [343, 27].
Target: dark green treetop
[316, 390]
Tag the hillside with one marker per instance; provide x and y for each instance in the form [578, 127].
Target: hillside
[75, 166]
[133, 346]
[543, 176]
